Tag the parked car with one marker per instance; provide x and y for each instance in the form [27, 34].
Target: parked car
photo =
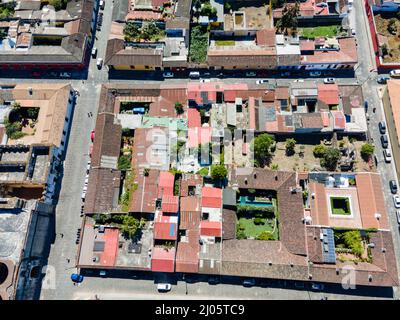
[395, 73]
[393, 186]
[315, 73]
[329, 80]
[382, 127]
[102, 4]
[353, 31]
[164, 287]
[396, 200]
[103, 273]
[168, 74]
[36, 74]
[398, 216]
[382, 80]
[387, 155]
[65, 75]
[213, 280]
[251, 74]
[194, 75]
[249, 282]
[317, 286]
[384, 141]
[94, 52]
[77, 278]
[99, 63]
[262, 81]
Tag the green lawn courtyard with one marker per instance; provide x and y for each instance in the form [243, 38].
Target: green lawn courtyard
[257, 222]
[340, 206]
[323, 31]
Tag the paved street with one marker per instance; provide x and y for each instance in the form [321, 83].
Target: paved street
[68, 218]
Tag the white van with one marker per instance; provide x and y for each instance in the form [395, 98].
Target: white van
[194, 75]
[102, 3]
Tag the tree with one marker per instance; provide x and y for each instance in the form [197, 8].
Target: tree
[129, 226]
[261, 147]
[3, 33]
[331, 158]
[131, 32]
[319, 151]
[208, 10]
[367, 150]
[218, 172]
[179, 108]
[289, 18]
[124, 163]
[33, 113]
[265, 235]
[352, 239]
[290, 144]
[57, 4]
[150, 31]
[392, 28]
[385, 50]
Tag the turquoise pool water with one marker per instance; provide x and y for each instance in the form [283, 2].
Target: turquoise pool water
[245, 200]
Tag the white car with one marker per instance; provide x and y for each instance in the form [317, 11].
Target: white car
[353, 32]
[65, 75]
[164, 287]
[396, 200]
[329, 80]
[387, 155]
[168, 74]
[261, 81]
[94, 52]
[99, 63]
[398, 216]
[395, 73]
[317, 286]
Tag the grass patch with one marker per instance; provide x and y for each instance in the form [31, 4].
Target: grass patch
[323, 31]
[129, 188]
[225, 42]
[198, 44]
[340, 206]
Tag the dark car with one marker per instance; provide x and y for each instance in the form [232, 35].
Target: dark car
[384, 141]
[382, 127]
[78, 278]
[213, 280]
[382, 80]
[393, 186]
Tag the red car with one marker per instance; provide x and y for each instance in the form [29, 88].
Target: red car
[92, 135]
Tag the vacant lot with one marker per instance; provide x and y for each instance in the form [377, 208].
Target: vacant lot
[393, 39]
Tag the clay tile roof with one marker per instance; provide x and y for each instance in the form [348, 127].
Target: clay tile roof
[211, 197]
[328, 93]
[166, 184]
[194, 119]
[211, 228]
[165, 231]
[266, 37]
[307, 45]
[371, 201]
[228, 224]
[170, 203]
[190, 213]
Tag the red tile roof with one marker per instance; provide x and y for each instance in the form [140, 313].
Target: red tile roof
[194, 119]
[109, 255]
[211, 228]
[165, 231]
[266, 37]
[190, 212]
[166, 184]
[169, 203]
[339, 119]
[163, 260]
[328, 93]
[211, 197]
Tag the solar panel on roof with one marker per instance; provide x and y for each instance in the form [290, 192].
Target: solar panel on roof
[172, 229]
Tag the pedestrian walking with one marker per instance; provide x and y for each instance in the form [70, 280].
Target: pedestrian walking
[68, 260]
[62, 235]
[91, 114]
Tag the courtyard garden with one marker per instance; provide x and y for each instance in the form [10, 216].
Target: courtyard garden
[198, 44]
[340, 206]
[257, 216]
[21, 121]
[352, 245]
[321, 31]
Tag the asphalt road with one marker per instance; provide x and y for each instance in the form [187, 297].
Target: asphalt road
[68, 218]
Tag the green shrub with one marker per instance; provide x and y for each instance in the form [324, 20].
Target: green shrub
[319, 151]
[124, 163]
[17, 135]
[265, 235]
[367, 150]
[258, 221]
